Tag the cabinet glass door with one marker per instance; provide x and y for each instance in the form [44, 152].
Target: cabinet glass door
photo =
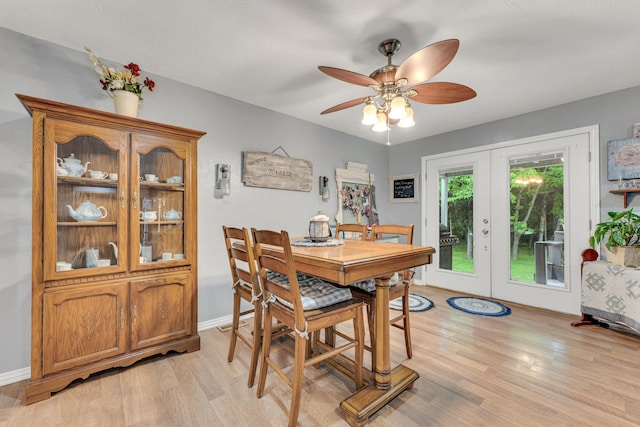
[160, 212]
[85, 199]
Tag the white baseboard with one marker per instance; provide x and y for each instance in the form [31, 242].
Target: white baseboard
[15, 376]
[214, 323]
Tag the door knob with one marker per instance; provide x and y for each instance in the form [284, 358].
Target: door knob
[485, 231]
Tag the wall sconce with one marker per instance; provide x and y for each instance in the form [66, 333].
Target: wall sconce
[324, 188]
[223, 179]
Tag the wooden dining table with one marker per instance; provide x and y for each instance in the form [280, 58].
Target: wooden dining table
[351, 262]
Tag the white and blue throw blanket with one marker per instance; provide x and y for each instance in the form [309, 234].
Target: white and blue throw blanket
[611, 292]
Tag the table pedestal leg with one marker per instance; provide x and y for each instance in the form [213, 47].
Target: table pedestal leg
[387, 383]
[382, 370]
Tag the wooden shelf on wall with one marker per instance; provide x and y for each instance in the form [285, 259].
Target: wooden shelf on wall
[625, 193]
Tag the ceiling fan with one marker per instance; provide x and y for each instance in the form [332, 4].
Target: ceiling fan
[395, 85]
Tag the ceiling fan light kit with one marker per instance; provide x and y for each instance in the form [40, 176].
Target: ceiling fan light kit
[369, 113]
[397, 108]
[396, 84]
[381, 122]
[407, 120]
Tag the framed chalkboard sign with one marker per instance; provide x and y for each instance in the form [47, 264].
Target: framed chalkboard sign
[404, 188]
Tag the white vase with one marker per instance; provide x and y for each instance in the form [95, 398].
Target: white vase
[126, 103]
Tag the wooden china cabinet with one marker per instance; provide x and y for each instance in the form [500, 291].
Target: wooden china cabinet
[112, 281]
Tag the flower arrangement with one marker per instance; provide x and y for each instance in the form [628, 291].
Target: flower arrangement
[126, 79]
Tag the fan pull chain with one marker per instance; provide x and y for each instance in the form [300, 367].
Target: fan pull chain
[388, 130]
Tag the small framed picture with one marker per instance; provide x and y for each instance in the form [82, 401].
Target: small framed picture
[404, 188]
[623, 159]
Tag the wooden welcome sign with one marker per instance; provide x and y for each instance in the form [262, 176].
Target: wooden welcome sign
[269, 170]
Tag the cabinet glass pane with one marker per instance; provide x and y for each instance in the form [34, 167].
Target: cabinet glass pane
[161, 206]
[87, 204]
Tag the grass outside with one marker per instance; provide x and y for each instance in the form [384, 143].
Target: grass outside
[522, 269]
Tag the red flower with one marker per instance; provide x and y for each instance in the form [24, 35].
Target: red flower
[135, 70]
[149, 83]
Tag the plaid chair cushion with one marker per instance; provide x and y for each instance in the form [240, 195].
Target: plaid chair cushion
[370, 284]
[314, 292]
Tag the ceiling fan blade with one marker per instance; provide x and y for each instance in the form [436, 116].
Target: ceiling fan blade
[442, 93]
[428, 61]
[344, 105]
[348, 76]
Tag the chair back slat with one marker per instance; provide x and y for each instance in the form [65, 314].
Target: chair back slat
[352, 228]
[240, 254]
[380, 231]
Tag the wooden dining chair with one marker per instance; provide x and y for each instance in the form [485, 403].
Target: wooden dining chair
[306, 304]
[358, 231]
[245, 287]
[399, 287]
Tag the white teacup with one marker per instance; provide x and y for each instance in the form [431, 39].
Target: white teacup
[174, 179]
[166, 255]
[172, 215]
[113, 176]
[104, 262]
[63, 266]
[98, 174]
[150, 177]
[178, 256]
[148, 215]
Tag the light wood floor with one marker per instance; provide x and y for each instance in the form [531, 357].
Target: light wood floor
[527, 369]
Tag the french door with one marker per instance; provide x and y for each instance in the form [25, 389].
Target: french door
[510, 221]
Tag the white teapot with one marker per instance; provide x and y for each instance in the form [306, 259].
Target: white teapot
[73, 165]
[88, 212]
[319, 228]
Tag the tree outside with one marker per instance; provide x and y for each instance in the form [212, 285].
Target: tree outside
[537, 214]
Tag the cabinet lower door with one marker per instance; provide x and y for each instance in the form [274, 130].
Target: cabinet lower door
[160, 310]
[83, 325]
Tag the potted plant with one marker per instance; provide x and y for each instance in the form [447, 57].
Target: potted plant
[123, 85]
[621, 238]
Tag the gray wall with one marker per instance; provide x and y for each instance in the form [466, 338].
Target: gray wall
[38, 68]
[615, 113]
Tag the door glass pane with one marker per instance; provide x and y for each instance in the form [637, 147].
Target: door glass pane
[537, 219]
[456, 219]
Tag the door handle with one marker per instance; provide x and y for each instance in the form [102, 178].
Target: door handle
[485, 231]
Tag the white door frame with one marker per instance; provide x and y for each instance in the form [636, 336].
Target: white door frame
[593, 191]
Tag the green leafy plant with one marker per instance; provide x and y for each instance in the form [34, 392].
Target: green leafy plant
[622, 229]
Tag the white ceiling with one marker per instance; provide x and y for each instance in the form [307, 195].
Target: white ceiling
[519, 55]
